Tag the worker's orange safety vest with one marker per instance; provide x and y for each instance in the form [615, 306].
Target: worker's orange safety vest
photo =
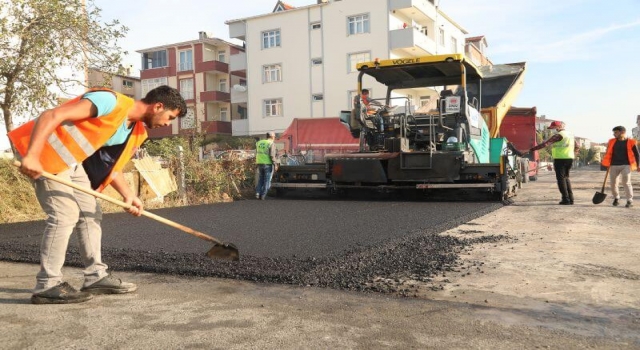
[73, 142]
[606, 161]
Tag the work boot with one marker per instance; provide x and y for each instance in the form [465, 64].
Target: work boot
[257, 195]
[615, 202]
[60, 294]
[629, 204]
[565, 202]
[110, 285]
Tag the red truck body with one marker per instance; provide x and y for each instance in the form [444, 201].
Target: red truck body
[519, 127]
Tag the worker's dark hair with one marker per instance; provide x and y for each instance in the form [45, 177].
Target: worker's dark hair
[169, 97]
[365, 91]
[619, 128]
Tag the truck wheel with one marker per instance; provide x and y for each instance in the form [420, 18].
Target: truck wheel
[534, 177]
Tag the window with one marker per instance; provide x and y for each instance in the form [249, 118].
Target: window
[189, 120]
[316, 61]
[224, 114]
[358, 24]
[318, 97]
[150, 84]
[424, 100]
[441, 32]
[186, 89]
[222, 56]
[454, 44]
[273, 108]
[270, 39]
[359, 57]
[127, 84]
[316, 25]
[154, 59]
[243, 82]
[186, 60]
[272, 73]
[223, 85]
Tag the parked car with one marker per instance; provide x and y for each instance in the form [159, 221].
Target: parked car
[236, 154]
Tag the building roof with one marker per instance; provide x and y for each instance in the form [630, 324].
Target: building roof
[474, 39]
[319, 133]
[282, 6]
[213, 41]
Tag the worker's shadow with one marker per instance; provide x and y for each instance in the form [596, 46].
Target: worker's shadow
[18, 300]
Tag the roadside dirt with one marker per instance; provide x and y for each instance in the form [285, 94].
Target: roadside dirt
[565, 277]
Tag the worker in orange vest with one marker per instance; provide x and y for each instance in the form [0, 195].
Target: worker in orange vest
[87, 141]
[621, 158]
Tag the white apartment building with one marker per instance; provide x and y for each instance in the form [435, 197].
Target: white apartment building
[300, 62]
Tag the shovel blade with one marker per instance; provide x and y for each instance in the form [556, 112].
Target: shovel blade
[226, 251]
[599, 197]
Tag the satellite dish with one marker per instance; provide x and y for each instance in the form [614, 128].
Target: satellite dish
[240, 88]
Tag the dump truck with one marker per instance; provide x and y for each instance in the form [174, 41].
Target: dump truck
[452, 148]
[519, 127]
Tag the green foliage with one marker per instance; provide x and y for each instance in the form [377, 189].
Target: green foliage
[206, 181]
[38, 38]
[224, 142]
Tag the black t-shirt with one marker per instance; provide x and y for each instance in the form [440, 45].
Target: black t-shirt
[619, 156]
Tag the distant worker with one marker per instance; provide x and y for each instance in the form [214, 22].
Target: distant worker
[267, 161]
[564, 149]
[621, 158]
[366, 100]
[86, 141]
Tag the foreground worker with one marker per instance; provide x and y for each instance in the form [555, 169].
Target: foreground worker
[622, 158]
[87, 141]
[563, 151]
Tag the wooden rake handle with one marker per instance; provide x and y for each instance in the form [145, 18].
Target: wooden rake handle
[126, 206]
[604, 183]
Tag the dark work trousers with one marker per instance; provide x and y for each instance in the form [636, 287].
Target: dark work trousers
[562, 168]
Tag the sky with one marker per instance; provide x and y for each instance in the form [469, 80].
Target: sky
[580, 53]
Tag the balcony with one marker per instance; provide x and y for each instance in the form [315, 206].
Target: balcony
[215, 96]
[238, 64]
[237, 30]
[413, 41]
[240, 127]
[418, 10]
[216, 127]
[212, 66]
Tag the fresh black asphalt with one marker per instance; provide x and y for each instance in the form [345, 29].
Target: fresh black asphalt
[343, 244]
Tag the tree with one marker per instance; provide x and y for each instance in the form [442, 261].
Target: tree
[42, 39]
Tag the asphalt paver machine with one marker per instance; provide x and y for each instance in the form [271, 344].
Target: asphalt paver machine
[447, 148]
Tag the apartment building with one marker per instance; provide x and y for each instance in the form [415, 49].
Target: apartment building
[300, 62]
[124, 84]
[199, 69]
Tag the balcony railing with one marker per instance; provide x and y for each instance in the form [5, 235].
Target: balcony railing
[412, 38]
[212, 66]
[419, 10]
[215, 96]
[216, 127]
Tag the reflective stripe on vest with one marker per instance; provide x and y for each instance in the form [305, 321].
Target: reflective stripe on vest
[72, 142]
[563, 149]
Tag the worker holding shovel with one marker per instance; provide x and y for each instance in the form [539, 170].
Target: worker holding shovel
[564, 149]
[621, 159]
[87, 141]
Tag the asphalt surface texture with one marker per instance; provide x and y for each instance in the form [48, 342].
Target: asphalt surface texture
[360, 245]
